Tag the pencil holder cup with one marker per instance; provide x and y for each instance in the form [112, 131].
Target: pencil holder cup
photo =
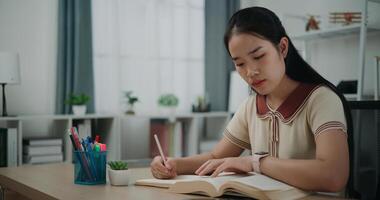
[90, 167]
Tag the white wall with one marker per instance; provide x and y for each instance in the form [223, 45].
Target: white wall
[30, 28]
[334, 58]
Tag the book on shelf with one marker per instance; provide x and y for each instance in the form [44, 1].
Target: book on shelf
[84, 128]
[3, 148]
[249, 185]
[177, 140]
[12, 147]
[42, 158]
[42, 150]
[159, 127]
[170, 136]
[42, 141]
[8, 147]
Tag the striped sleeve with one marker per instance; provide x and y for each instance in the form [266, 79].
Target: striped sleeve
[326, 112]
[237, 129]
[236, 141]
[330, 126]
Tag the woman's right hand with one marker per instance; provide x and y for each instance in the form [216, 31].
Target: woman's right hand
[161, 171]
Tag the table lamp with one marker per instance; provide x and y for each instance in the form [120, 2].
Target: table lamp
[9, 73]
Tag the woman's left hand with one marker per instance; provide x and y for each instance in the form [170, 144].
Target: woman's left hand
[232, 164]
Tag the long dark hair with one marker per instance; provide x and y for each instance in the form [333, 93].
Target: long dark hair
[263, 23]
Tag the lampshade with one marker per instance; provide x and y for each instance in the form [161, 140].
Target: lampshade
[9, 68]
[239, 91]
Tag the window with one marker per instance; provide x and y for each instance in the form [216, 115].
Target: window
[150, 47]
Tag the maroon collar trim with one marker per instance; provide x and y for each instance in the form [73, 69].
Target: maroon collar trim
[290, 106]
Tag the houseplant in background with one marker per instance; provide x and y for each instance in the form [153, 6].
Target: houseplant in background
[78, 103]
[118, 172]
[168, 103]
[131, 100]
[201, 105]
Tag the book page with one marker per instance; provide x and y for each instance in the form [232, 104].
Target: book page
[218, 181]
[215, 181]
[262, 182]
[166, 182]
[207, 185]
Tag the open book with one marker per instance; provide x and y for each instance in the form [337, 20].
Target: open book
[251, 185]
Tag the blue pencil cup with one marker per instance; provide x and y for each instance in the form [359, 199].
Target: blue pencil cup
[90, 167]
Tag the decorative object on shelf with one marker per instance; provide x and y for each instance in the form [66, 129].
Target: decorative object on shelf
[202, 104]
[42, 150]
[78, 103]
[168, 103]
[348, 88]
[309, 19]
[376, 93]
[118, 173]
[131, 100]
[312, 23]
[9, 73]
[345, 18]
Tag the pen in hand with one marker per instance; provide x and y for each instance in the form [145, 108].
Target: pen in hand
[160, 149]
[166, 166]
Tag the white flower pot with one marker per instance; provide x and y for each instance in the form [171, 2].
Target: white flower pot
[79, 109]
[167, 110]
[118, 177]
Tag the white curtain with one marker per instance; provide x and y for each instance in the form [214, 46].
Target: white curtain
[150, 47]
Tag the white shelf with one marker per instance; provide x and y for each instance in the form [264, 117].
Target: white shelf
[196, 127]
[332, 32]
[59, 117]
[107, 126]
[179, 115]
[9, 118]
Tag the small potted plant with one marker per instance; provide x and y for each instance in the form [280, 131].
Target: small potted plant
[168, 103]
[78, 103]
[201, 105]
[118, 173]
[131, 100]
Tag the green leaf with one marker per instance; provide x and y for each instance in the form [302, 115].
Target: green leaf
[77, 99]
[131, 99]
[168, 100]
[118, 165]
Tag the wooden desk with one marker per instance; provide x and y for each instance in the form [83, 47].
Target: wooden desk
[55, 181]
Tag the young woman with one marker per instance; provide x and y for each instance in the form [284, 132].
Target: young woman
[297, 125]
